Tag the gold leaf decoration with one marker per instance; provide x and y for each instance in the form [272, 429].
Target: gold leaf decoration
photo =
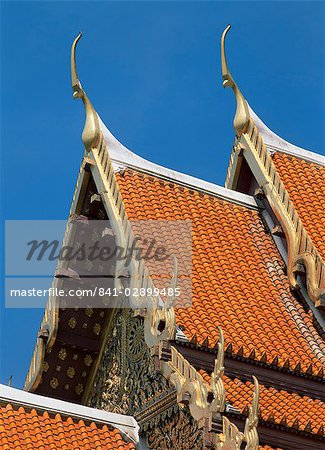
[58, 368]
[71, 372]
[54, 383]
[75, 357]
[96, 328]
[88, 360]
[45, 366]
[72, 322]
[89, 312]
[66, 387]
[84, 374]
[62, 354]
[79, 388]
[84, 325]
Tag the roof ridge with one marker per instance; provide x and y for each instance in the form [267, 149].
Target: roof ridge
[127, 425]
[275, 142]
[122, 157]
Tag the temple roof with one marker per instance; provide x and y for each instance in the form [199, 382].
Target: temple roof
[277, 143]
[240, 279]
[277, 406]
[32, 421]
[303, 175]
[305, 182]
[123, 157]
[238, 276]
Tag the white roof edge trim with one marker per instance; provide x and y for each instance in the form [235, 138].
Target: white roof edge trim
[126, 424]
[122, 157]
[276, 143]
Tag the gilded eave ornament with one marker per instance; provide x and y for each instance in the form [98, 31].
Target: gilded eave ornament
[242, 116]
[217, 385]
[160, 321]
[91, 131]
[250, 431]
[233, 439]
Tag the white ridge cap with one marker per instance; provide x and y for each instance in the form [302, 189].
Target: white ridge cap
[122, 157]
[126, 424]
[276, 143]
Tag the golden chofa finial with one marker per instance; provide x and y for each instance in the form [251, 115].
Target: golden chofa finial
[242, 112]
[91, 131]
[250, 430]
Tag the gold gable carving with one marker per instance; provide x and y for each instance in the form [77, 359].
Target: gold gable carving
[204, 402]
[194, 393]
[231, 438]
[301, 249]
[249, 143]
[179, 432]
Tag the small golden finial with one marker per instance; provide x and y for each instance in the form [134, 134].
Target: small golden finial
[250, 431]
[76, 85]
[217, 385]
[242, 112]
[90, 134]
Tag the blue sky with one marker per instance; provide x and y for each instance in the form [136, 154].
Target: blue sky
[152, 71]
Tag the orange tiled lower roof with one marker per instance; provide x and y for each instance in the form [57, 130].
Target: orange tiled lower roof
[238, 278]
[20, 428]
[277, 403]
[305, 183]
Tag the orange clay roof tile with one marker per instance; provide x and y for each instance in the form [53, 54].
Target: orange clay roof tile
[275, 403]
[238, 276]
[305, 183]
[28, 429]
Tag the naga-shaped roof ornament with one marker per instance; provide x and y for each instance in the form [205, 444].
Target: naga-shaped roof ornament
[217, 384]
[91, 131]
[250, 431]
[242, 116]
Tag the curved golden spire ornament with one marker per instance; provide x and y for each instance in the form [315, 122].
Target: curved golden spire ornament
[217, 384]
[242, 116]
[91, 131]
[250, 431]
